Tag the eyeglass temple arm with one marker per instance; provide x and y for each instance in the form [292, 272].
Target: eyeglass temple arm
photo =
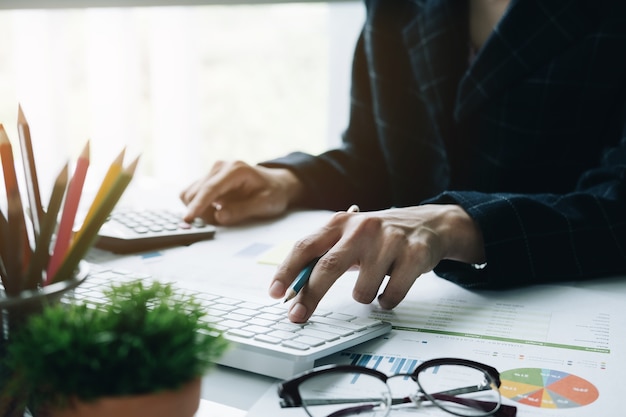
[452, 396]
[502, 411]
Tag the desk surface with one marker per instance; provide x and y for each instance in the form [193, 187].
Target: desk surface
[569, 331]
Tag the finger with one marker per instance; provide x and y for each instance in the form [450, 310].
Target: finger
[208, 215]
[235, 208]
[328, 269]
[203, 201]
[402, 276]
[224, 178]
[372, 273]
[334, 261]
[300, 255]
[190, 192]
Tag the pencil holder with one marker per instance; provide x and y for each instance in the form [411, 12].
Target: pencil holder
[14, 311]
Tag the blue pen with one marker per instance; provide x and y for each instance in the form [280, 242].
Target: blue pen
[304, 275]
[300, 280]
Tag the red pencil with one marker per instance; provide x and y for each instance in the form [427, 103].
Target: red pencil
[64, 233]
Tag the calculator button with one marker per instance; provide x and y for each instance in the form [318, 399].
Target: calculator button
[132, 230]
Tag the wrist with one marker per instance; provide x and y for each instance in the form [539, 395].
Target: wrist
[463, 236]
[292, 187]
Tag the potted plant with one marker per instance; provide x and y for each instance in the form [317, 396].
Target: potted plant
[144, 345]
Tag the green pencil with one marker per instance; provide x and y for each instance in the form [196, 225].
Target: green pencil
[83, 243]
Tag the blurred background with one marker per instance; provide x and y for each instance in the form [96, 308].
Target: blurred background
[183, 86]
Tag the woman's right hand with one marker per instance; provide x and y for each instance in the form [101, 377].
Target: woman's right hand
[233, 192]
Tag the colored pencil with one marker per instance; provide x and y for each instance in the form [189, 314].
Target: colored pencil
[30, 172]
[3, 229]
[49, 222]
[84, 242]
[68, 216]
[17, 246]
[109, 178]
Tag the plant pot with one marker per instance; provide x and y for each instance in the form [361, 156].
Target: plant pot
[14, 311]
[19, 307]
[183, 402]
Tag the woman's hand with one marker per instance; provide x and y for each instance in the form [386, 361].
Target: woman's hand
[402, 243]
[233, 192]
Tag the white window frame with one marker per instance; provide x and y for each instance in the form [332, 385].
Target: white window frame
[48, 4]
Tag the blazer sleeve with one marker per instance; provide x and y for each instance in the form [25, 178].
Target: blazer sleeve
[391, 154]
[539, 238]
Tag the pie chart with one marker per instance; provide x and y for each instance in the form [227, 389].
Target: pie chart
[547, 388]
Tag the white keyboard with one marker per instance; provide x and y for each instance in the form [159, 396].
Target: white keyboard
[262, 339]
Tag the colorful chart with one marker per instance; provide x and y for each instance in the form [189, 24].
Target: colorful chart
[547, 388]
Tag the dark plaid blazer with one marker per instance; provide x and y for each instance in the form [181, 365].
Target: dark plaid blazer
[530, 138]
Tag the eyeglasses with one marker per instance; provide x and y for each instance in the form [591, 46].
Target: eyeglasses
[459, 387]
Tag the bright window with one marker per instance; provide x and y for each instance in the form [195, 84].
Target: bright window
[182, 85]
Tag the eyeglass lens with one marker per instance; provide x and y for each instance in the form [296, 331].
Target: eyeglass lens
[444, 390]
[339, 394]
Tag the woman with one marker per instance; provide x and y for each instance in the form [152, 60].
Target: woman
[486, 141]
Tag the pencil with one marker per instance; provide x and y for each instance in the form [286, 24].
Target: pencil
[109, 178]
[301, 279]
[86, 239]
[16, 245]
[48, 224]
[30, 172]
[70, 207]
[3, 230]
[305, 274]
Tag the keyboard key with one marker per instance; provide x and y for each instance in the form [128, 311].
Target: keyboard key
[308, 340]
[241, 333]
[262, 337]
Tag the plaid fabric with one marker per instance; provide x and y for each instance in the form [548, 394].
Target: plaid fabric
[530, 138]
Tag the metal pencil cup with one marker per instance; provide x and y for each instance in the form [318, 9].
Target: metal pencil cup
[14, 311]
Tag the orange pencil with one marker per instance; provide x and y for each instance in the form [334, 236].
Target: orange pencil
[70, 207]
[17, 246]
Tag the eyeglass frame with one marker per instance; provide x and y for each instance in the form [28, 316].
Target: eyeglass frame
[289, 393]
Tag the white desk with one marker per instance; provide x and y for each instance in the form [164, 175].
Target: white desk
[233, 251]
[573, 331]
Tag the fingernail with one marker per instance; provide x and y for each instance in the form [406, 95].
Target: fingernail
[297, 312]
[277, 289]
